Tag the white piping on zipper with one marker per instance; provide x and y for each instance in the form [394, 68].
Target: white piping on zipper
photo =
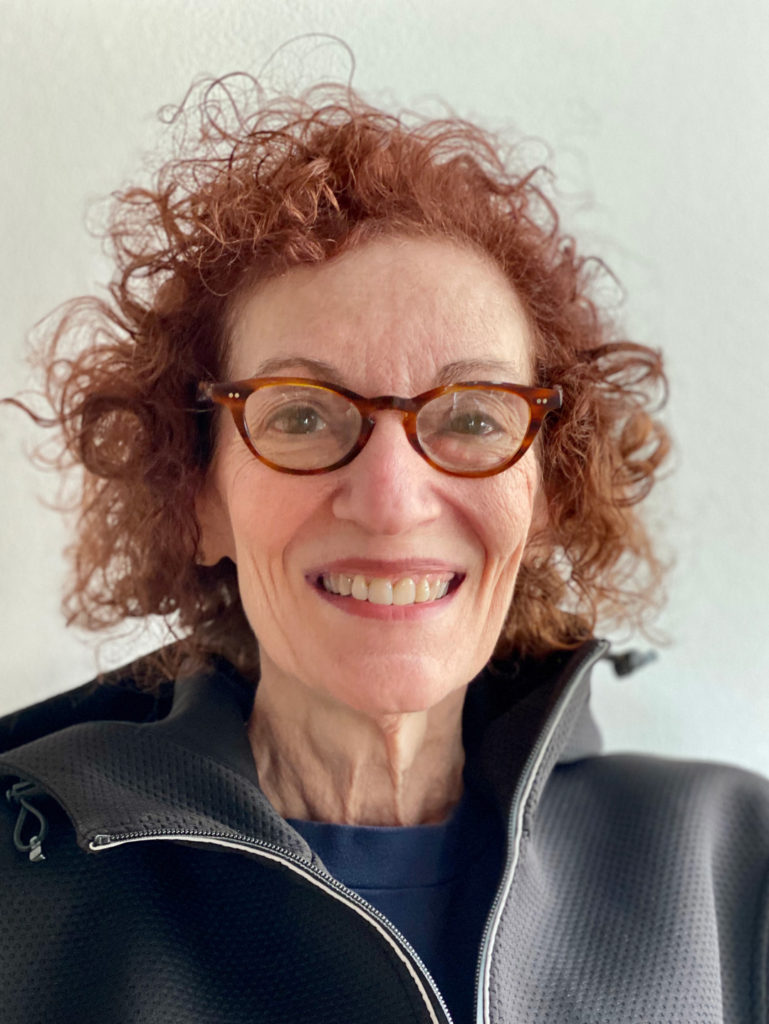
[516, 831]
[338, 894]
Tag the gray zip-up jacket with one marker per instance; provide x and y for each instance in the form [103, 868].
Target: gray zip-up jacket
[147, 879]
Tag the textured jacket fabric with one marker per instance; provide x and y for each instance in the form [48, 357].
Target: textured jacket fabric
[149, 880]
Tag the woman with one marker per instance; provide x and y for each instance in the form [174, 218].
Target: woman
[353, 416]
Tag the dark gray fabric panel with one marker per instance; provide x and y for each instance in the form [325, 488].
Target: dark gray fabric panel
[640, 897]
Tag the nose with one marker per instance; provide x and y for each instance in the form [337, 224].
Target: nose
[388, 488]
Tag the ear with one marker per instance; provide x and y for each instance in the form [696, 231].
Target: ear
[216, 537]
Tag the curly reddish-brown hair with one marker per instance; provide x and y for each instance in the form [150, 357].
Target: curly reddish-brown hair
[254, 188]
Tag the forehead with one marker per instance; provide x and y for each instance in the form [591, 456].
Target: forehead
[389, 316]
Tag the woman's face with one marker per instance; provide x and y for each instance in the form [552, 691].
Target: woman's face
[391, 317]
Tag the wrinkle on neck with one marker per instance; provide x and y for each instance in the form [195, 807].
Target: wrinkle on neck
[320, 760]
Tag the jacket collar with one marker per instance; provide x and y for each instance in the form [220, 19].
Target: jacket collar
[193, 771]
[525, 714]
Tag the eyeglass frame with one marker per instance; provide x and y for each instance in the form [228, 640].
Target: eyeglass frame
[233, 396]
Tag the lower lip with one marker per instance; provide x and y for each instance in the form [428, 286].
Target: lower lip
[388, 612]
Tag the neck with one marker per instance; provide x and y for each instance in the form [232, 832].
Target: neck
[321, 760]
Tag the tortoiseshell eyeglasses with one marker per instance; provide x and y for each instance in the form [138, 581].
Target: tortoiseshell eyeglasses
[297, 425]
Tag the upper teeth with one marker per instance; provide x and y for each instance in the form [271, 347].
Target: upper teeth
[379, 590]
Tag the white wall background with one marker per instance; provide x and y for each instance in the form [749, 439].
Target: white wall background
[658, 113]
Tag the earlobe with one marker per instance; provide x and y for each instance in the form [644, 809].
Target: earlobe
[216, 541]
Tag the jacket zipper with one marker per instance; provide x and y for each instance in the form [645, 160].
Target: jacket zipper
[234, 841]
[521, 795]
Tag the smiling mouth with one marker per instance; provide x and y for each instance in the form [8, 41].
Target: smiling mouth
[401, 590]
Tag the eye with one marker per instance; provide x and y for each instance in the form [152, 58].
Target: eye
[297, 419]
[476, 424]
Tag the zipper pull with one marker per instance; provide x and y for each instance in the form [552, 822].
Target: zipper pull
[20, 795]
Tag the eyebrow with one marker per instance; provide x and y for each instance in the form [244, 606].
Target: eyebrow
[316, 367]
[468, 369]
[452, 373]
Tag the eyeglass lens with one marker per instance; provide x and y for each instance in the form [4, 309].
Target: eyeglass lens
[312, 427]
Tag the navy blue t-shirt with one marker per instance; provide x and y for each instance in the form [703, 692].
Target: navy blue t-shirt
[434, 882]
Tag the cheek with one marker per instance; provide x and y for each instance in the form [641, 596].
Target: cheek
[261, 515]
[501, 520]
[269, 512]
[506, 514]
[504, 527]
[266, 515]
